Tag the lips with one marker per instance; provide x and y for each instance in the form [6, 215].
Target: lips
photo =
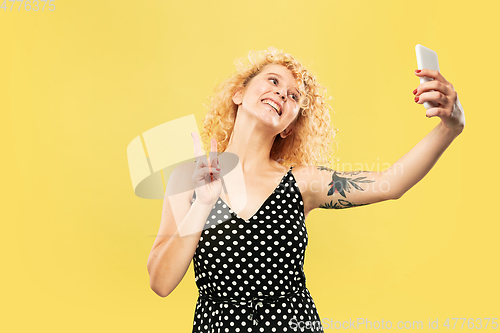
[275, 105]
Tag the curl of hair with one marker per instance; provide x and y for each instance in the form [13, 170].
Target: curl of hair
[309, 143]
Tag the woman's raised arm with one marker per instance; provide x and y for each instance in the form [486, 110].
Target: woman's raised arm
[415, 164]
[327, 188]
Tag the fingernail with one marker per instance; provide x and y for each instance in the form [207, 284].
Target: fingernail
[414, 91]
[416, 99]
[418, 71]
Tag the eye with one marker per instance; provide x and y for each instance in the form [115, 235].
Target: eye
[295, 97]
[274, 80]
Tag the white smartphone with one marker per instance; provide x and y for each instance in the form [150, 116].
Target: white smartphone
[427, 59]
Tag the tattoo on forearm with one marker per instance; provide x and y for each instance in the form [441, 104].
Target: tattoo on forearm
[339, 204]
[324, 168]
[341, 183]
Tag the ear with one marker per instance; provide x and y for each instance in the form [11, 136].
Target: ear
[237, 97]
[287, 131]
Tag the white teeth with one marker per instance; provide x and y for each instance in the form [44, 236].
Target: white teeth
[271, 103]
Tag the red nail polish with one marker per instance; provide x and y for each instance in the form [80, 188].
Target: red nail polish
[414, 91]
[418, 71]
[416, 99]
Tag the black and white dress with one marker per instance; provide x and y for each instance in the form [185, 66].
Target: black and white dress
[249, 273]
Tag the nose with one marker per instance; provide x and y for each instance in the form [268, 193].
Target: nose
[281, 95]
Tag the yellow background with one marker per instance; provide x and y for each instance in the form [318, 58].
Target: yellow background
[79, 83]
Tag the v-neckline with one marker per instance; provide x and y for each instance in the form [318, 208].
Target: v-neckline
[265, 201]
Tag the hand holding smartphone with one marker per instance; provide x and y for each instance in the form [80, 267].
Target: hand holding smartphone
[427, 59]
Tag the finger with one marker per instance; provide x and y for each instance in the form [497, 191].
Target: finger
[213, 153]
[430, 73]
[435, 112]
[197, 146]
[201, 161]
[202, 173]
[433, 85]
[432, 96]
[214, 174]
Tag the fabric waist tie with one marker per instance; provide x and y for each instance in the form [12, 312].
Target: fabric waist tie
[254, 303]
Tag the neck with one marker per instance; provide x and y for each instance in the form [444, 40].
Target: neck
[252, 144]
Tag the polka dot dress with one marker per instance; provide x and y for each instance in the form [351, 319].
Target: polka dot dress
[249, 273]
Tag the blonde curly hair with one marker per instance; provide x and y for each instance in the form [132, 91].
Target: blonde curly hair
[310, 141]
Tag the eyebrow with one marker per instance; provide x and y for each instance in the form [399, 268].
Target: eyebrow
[281, 77]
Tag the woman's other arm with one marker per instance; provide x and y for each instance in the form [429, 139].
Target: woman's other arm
[182, 223]
[175, 246]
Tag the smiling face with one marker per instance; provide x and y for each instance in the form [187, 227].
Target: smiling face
[272, 95]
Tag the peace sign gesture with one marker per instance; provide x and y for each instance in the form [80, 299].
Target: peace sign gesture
[441, 94]
[206, 176]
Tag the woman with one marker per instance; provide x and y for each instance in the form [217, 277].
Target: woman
[249, 261]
